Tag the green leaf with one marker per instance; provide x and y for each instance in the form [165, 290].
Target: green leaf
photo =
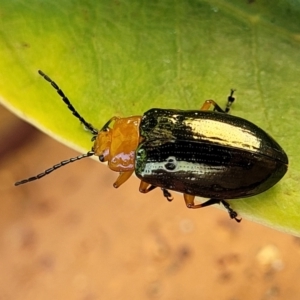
[123, 57]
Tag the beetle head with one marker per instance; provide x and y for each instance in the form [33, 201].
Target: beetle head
[102, 144]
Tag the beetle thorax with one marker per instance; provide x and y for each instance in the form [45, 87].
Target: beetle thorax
[118, 143]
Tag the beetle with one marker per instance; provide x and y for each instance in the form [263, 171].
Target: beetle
[206, 153]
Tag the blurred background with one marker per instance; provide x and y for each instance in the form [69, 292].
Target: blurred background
[72, 235]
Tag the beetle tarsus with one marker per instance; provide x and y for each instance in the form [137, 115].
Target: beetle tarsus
[233, 214]
[167, 195]
[230, 100]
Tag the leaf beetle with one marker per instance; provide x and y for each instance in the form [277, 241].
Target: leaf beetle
[205, 153]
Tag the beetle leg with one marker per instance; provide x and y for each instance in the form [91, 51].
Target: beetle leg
[106, 125]
[189, 200]
[167, 195]
[230, 100]
[147, 187]
[208, 103]
[123, 176]
[233, 214]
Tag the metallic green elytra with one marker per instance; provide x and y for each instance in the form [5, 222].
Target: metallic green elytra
[202, 153]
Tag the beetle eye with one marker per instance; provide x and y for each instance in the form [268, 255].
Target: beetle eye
[101, 158]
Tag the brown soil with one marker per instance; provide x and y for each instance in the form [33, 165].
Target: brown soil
[72, 235]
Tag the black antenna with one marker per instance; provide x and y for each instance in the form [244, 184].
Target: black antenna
[61, 164]
[93, 130]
